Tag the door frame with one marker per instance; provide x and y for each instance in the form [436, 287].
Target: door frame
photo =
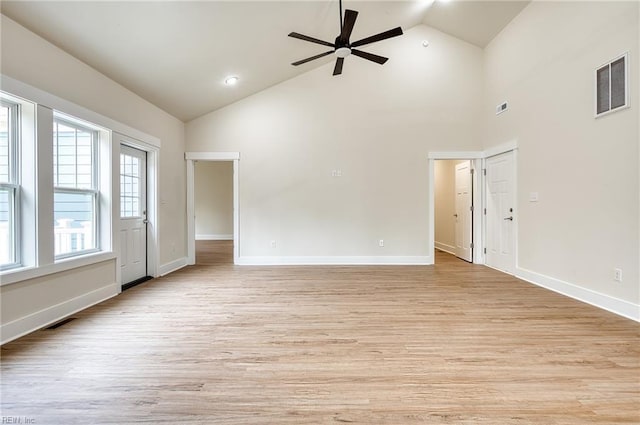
[478, 159]
[191, 158]
[153, 162]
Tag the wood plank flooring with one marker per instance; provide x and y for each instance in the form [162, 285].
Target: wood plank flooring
[219, 344]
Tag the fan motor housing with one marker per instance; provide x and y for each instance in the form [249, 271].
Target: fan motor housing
[342, 52]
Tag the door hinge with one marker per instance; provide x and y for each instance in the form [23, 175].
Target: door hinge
[485, 250]
[471, 208]
[471, 170]
[485, 211]
[484, 171]
[471, 245]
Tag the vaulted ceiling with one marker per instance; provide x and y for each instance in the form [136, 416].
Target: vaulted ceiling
[177, 54]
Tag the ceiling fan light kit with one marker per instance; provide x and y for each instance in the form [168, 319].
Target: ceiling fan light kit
[342, 47]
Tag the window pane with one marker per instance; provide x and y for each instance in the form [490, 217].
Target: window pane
[74, 222]
[73, 149]
[129, 186]
[617, 83]
[603, 89]
[7, 238]
[5, 117]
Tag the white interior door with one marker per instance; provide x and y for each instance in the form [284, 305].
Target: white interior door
[464, 212]
[500, 213]
[133, 213]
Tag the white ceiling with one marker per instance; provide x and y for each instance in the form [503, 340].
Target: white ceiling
[176, 54]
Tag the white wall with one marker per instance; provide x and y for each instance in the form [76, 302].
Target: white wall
[375, 124]
[214, 199]
[32, 60]
[584, 169]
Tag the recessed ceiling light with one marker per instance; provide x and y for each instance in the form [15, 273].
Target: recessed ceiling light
[231, 81]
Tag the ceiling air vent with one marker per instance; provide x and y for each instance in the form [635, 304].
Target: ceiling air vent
[501, 108]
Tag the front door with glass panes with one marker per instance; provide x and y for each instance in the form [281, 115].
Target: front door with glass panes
[133, 214]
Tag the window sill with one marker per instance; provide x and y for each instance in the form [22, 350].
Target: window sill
[12, 276]
[612, 111]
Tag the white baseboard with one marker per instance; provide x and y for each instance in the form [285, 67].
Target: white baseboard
[334, 261]
[172, 266]
[606, 302]
[52, 314]
[215, 237]
[446, 248]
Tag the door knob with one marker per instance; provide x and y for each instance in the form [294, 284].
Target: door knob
[145, 221]
[509, 218]
[455, 215]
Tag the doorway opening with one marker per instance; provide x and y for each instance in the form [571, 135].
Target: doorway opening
[213, 205]
[210, 177]
[454, 224]
[454, 189]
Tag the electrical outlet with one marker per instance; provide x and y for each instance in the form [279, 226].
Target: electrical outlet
[381, 242]
[273, 244]
[617, 275]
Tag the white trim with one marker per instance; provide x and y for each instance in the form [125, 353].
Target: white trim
[52, 314]
[606, 302]
[18, 275]
[456, 155]
[214, 237]
[334, 261]
[446, 248]
[191, 212]
[212, 156]
[236, 210]
[172, 266]
[511, 145]
[191, 158]
[41, 97]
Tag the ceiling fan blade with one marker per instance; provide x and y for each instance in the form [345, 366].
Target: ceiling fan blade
[300, 62]
[311, 39]
[370, 56]
[378, 37]
[337, 70]
[349, 21]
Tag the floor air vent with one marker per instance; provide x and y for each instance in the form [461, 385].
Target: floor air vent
[60, 323]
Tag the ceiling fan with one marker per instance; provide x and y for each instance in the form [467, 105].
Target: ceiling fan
[342, 47]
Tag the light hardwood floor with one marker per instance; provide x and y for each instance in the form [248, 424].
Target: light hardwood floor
[218, 344]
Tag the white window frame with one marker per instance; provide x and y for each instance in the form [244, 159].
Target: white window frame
[626, 105]
[13, 186]
[37, 235]
[94, 192]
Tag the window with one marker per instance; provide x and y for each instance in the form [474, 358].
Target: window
[9, 185]
[130, 185]
[611, 86]
[75, 200]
